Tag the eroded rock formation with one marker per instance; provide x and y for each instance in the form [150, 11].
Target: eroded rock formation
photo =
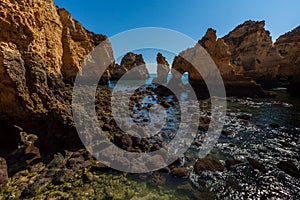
[163, 69]
[252, 48]
[41, 49]
[288, 46]
[132, 64]
[234, 81]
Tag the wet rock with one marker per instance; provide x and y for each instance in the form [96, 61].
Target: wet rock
[244, 117]
[57, 171]
[26, 155]
[157, 178]
[227, 132]
[257, 165]
[78, 163]
[98, 167]
[122, 162]
[57, 162]
[289, 167]
[193, 193]
[233, 162]
[3, 170]
[31, 152]
[165, 104]
[274, 125]
[205, 119]
[201, 182]
[165, 170]
[155, 162]
[203, 126]
[155, 147]
[123, 140]
[180, 172]
[231, 145]
[208, 164]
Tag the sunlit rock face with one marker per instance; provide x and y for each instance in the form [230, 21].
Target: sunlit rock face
[42, 48]
[252, 48]
[134, 65]
[234, 80]
[163, 69]
[288, 46]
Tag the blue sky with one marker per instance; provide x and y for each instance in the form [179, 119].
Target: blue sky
[191, 17]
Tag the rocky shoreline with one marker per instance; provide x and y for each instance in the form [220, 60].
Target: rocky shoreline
[41, 51]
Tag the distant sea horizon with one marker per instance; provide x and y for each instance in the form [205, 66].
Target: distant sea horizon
[184, 79]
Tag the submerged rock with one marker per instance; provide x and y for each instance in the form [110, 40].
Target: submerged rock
[208, 164]
[257, 165]
[180, 172]
[244, 117]
[233, 162]
[289, 167]
[274, 125]
[227, 132]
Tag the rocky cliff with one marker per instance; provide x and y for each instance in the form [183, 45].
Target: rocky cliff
[269, 64]
[234, 80]
[288, 46]
[41, 49]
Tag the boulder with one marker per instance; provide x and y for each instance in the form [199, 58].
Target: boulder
[233, 162]
[180, 172]
[289, 167]
[208, 164]
[257, 165]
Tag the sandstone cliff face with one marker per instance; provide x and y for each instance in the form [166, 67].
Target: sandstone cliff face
[252, 48]
[41, 48]
[220, 53]
[128, 63]
[163, 69]
[269, 64]
[76, 44]
[288, 45]
[235, 83]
